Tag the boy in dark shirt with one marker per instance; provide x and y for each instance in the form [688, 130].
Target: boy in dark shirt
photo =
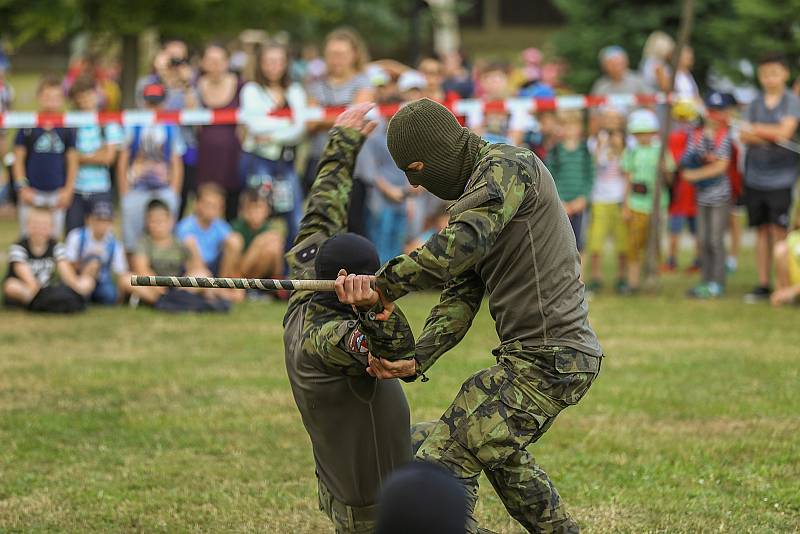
[770, 171]
[260, 239]
[46, 162]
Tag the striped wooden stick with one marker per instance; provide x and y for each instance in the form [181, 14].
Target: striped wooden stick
[266, 284]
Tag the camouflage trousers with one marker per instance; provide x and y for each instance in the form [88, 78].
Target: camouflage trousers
[497, 414]
[346, 519]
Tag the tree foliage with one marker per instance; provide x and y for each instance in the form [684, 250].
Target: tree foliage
[198, 20]
[725, 31]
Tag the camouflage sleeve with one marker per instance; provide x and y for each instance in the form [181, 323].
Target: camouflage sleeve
[343, 345]
[477, 218]
[326, 210]
[449, 320]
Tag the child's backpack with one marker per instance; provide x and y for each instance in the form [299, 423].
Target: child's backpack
[137, 140]
[57, 298]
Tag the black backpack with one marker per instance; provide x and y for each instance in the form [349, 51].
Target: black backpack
[57, 298]
[176, 300]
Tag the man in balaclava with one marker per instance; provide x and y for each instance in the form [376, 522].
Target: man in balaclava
[508, 237]
[359, 426]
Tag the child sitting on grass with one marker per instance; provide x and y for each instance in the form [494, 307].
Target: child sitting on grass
[641, 168]
[787, 267]
[160, 253]
[94, 251]
[39, 276]
[259, 238]
[208, 230]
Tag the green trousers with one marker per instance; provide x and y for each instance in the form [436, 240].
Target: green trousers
[497, 414]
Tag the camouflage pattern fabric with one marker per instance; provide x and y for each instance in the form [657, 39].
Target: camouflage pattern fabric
[477, 218]
[509, 238]
[498, 413]
[346, 519]
[341, 343]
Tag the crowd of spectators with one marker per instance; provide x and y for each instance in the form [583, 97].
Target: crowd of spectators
[227, 200]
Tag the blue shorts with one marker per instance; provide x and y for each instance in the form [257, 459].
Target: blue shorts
[678, 222]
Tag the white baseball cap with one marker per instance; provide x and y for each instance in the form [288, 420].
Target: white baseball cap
[411, 79]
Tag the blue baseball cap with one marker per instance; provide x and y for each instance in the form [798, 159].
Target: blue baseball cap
[719, 100]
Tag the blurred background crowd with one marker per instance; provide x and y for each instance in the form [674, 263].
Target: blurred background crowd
[97, 203]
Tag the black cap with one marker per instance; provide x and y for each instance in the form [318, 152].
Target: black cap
[354, 253]
[102, 209]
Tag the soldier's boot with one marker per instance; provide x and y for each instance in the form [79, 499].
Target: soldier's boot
[530, 497]
[346, 519]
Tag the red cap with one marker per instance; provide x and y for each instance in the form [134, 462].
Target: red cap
[154, 90]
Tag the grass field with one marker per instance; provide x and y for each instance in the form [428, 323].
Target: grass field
[132, 421]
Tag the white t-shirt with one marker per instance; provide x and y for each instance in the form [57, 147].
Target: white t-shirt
[256, 103]
[92, 246]
[609, 183]
[685, 86]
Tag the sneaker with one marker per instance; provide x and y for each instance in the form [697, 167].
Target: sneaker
[594, 285]
[694, 267]
[715, 289]
[698, 292]
[711, 290]
[758, 294]
[622, 287]
[670, 266]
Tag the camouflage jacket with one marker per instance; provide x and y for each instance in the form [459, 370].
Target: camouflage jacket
[338, 337]
[509, 237]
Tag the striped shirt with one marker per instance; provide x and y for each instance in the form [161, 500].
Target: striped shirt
[714, 191]
[43, 266]
[325, 94]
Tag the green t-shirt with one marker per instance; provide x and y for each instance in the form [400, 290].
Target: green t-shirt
[270, 225]
[641, 163]
[165, 261]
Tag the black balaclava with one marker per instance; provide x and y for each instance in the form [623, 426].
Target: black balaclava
[351, 252]
[426, 131]
[422, 498]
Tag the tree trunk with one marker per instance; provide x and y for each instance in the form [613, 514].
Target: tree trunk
[654, 232]
[130, 69]
[446, 38]
[491, 15]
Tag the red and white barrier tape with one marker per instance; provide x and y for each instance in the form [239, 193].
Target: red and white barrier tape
[200, 117]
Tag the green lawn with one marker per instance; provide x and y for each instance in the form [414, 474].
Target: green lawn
[129, 420]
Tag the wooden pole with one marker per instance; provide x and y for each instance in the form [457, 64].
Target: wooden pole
[654, 231]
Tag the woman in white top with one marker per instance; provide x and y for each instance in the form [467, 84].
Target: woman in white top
[267, 160]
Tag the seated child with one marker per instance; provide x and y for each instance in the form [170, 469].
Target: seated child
[93, 251]
[39, 276]
[787, 267]
[209, 231]
[260, 238]
[160, 253]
